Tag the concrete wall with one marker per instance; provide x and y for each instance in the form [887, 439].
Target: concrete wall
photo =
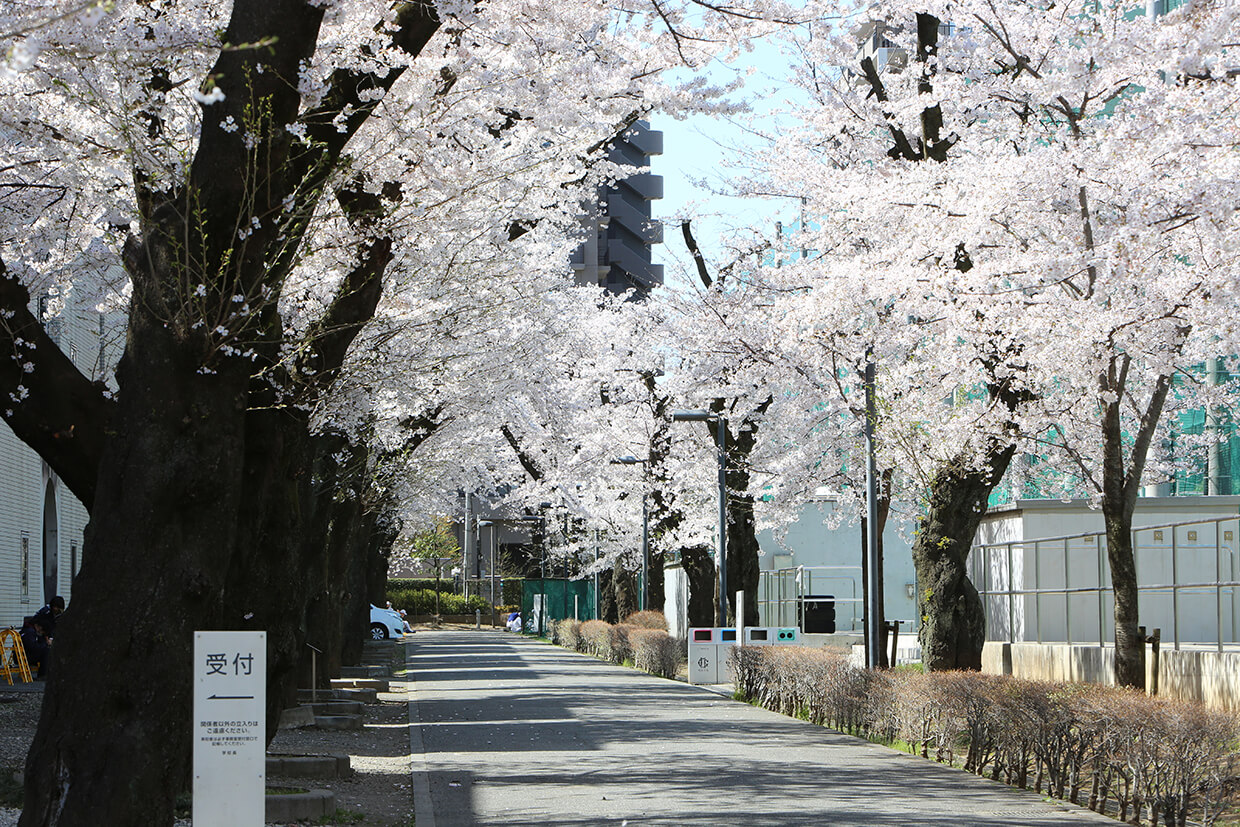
[1206, 676]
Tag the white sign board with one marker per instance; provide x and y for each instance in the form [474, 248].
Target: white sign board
[229, 729]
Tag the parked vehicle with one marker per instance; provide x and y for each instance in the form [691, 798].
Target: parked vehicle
[385, 623]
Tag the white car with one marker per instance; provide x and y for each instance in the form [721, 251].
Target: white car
[385, 623]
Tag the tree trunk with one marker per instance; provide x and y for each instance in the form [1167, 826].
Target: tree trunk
[742, 548]
[626, 589]
[656, 595]
[113, 744]
[700, 571]
[953, 625]
[607, 609]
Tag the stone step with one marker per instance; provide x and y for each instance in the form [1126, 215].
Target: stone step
[337, 708]
[338, 723]
[296, 717]
[377, 684]
[364, 671]
[309, 766]
[300, 806]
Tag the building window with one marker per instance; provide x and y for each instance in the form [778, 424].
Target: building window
[25, 566]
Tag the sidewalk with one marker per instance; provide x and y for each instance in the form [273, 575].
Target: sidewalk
[512, 731]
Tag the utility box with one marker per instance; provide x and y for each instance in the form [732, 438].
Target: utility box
[759, 636]
[787, 637]
[703, 656]
[817, 614]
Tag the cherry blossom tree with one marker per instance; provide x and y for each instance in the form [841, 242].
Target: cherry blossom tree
[275, 177]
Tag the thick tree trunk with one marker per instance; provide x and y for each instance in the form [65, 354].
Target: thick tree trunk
[656, 596]
[113, 743]
[953, 626]
[699, 566]
[625, 584]
[742, 548]
[607, 609]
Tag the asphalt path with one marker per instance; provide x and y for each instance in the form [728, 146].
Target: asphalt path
[507, 730]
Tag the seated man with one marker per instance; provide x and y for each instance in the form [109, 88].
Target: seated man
[514, 622]
[49, 614]
[34, 640]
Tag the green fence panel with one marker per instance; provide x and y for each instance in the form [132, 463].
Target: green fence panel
[557, 595]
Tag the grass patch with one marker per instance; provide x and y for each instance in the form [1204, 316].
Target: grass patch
[342, 817]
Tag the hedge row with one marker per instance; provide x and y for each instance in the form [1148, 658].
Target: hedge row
[422, 602]
[642, 639]
[446, 584]
[1111, 749]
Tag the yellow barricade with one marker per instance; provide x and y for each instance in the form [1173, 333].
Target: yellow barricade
[13, 657]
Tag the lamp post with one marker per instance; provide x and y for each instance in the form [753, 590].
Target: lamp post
[481, 525]
[645, 579]
[721, 429]
[873, 617]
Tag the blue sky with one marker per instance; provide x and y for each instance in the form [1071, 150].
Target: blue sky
[696, 155]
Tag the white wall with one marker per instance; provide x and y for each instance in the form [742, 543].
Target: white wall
[1188, 554]
[809, 542]
[24, 477]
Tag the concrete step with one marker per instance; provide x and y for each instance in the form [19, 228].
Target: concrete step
[338, 723]
[337, 708]
[377, 684]
[296, 717]
[309, 766]
[365, 671]
[300, 806]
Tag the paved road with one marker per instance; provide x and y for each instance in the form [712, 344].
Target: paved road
[512, 731]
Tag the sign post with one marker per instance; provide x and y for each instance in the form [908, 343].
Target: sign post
[230, 695]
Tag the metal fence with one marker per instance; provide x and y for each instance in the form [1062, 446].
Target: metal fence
[1057, 589]
[781, 592]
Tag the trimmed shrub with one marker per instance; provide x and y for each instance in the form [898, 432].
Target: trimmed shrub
[619, 647]
[654, 651]
[596, 638]
[567, 633]
[415, 583]
[422, 602]
[648, 619]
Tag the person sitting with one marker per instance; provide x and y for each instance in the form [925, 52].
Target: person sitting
[35, 642]
[49, 614]
[514, 622]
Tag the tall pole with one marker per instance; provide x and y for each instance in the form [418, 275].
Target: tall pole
[722, 424]
[493, 600]
[466, 547]
[642, 596]
[874, 579]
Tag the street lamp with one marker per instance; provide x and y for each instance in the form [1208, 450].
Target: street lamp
[483, 524]
[721, 429]
[641, 602]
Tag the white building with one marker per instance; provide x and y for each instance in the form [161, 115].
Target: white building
[41, 522]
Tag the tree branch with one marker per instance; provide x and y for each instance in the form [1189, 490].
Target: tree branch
[64, 418]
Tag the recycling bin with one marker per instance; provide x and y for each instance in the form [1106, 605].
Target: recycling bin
[725, 641]
[759, 636]
[703, 656]
[787, 637]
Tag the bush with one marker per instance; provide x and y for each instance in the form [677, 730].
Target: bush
[567, 633]
[416, 583]
[619, 647]
[596, 638]
[422, 602]
[1158, 759]
[648, 619]
[654, 651]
